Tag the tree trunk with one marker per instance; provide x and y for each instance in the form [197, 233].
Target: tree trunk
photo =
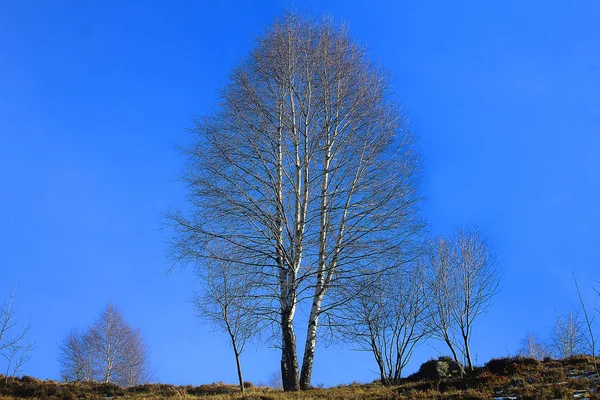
[239, 366]
[468, 352]
[455, 356]
[311, 343]
[309, 356]
[239, 371]
[313, 319]
[383, 375]
[289, 358]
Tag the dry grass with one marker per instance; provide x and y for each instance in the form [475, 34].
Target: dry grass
[523, 378]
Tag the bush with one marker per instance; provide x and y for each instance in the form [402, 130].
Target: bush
[27, 390]
[109, 389]
[212, 389]
[443, 367]
[507, 365]
[28, 379]
[156, 389]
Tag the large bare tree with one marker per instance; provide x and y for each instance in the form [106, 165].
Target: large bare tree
[109, 351]
[308, 167]
[463, 278]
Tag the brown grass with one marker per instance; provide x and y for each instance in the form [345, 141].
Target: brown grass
[524, 378]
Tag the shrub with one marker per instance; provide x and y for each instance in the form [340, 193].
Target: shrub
[508, 365]
[159, 389]
[28, 379]
[21, 390]
[443, 369]
[213, 389]
[433, 369]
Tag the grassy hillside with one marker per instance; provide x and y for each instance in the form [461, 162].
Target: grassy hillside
[507, 378]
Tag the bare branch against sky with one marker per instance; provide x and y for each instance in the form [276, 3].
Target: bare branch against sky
[110, 351]
[463, 279]
[15, 347]
[307, 168]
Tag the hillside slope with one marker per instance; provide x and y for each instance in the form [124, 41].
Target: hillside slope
[506, 378]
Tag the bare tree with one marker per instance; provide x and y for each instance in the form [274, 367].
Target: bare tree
[106, 337]
[567, 338]
[308, 167]
[532, 346]
[75, 358]
[387, 319]
[136, 358]
[227, 301]
[14, 345]
[478, 281]
[463, 280]
[589, 321]
[441, 286]
[109, 351]
[274, 380]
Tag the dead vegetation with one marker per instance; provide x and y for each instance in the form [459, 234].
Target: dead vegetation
[504, 378]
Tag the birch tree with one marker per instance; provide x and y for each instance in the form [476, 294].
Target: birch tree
[307, 166]
[75, 358]
[463, 280]
[15, 347]
[388, 319]
[478, 280]
[441, 285]
[136, 359]
[567, 338]
[227, 301]
[533, 347]
[110, 351]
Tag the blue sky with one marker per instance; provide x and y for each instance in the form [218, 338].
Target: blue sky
[95, 95]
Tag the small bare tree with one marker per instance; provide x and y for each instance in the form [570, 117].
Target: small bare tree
[589, 321]
[109, 351]
[75, 358]
[441, 284]
[463, 280]
[14, 345]
[478, 280]
[136, 358]
[228, 300]
[533, 347]
[387, 318]
[567, 338]
[106, 338]
[274, 380]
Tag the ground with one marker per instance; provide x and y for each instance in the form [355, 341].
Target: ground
[505, 378]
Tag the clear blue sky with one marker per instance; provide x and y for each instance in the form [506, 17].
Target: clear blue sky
[94, 95]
